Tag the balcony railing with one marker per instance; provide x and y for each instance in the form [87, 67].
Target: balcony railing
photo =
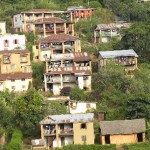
[66, 131]
[6, 61]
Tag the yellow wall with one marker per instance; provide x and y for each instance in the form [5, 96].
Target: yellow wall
[78, 133]
[122, 139]
[15, 59]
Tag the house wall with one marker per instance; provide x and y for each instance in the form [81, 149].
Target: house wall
[88, 132]
[81, 107]
[2, 28]
[17, 85]
[17, 21]
[68, 140]
[122, 139]
[15, 64]
[11, 45]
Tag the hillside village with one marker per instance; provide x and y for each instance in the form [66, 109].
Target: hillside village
[75, 75]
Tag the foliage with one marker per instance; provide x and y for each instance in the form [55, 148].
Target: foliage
[65, 91]
[138, 146]
[138, 106]
[29, 111]
[77, 94]
[38, 71]
[88, 147]
[16, 141]
[56, 108]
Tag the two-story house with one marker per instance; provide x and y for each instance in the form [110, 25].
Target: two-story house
[24, 21]
[80, 12]
[68, 70]
[104, 33]
[127, 58]
[56, 44]
[15, 70]
[60, 130]
[12, 42]
[54, 25]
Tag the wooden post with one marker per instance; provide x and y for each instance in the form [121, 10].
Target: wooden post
[63, 48]
[42, 132]
[44, 30]
[65, 31]
[57, 136]
[54, 28]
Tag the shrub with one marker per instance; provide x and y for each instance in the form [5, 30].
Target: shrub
[16, 141]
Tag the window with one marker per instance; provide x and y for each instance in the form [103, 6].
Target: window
[16, 41]
[45, 56]
[23, 86]
[22, 79]
[6, 59]
[13, 87]
[13, 66]
[37, 47]
[6, 43]
[83, 125]
[83, 137]
[23, 59]
[12, 81]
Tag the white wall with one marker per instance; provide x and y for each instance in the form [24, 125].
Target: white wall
[68, 140]
[55, 142]
[18, 84]
[81, 107]
[2, 28]
[56, 89]
[17, 20]
[11, 38]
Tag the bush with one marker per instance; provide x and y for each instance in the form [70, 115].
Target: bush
[138, 146]
[88, 147]
[16, 141]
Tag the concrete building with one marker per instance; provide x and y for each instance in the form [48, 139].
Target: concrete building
[122, 131]
[127, 58]
[68, 70]
[76, 107]
[103, 33]
[60, 130]
[16, 82]
[2, 27]
[47, 26]
[80, 12]
[24, 21]
[15, 61]
[12, 42]
[56, 44]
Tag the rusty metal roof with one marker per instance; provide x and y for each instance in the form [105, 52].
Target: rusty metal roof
[112, 26]
[68, 118]
[118, 53]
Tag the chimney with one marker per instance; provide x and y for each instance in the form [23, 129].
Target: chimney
[101, 116]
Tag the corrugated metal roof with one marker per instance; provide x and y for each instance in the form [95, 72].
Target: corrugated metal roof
[122, 126]
[68, 118]
[118, 53]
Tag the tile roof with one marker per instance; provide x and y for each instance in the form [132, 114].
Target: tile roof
[50, 20]
[58, 38]
[122, 126]
[42, 11]
[118, 53]
[14, 51]
[68, 118]
[15, 76]
[112, 26]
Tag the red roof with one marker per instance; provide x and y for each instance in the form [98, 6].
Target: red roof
[15, 76]
[14, 51]
[50, 20]
[58, 38]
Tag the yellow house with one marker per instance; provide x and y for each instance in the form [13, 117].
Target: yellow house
[122, 131]
[16, 82]
[14, 61]
[60, 130]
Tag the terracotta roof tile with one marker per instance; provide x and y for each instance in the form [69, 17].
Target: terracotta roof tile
[50, 20]
[58, 38]
[15, 76]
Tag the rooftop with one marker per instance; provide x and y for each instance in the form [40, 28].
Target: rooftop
[122, 126]
[118, 53]
[112, 26]
[68, 118]
[15, 76]
[58, 38]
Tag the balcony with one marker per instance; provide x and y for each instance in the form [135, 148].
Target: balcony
[69, 79]
[69, 46]
[66, 131]
[50, 132]
[106, 34]
[23, 60]
[57, 47]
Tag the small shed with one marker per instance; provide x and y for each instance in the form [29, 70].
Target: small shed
[122, 131]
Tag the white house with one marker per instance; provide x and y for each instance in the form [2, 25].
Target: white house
[76, 107]
[12, 42]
